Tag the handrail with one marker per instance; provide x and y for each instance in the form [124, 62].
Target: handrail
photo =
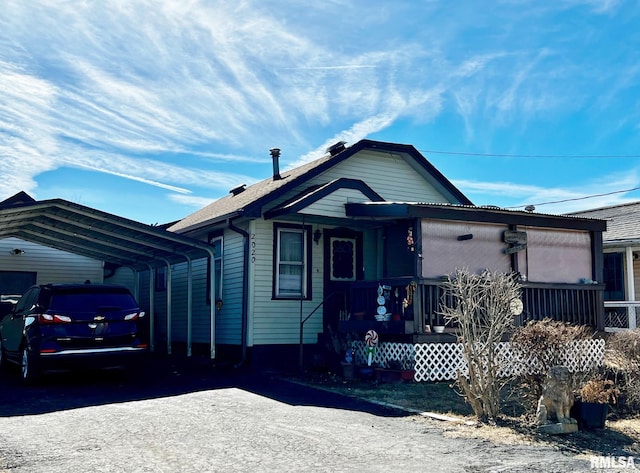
[303, 321]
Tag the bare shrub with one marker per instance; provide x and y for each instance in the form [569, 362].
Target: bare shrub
[480, 305]
[600, 390]
[544, 343]
[622, 362]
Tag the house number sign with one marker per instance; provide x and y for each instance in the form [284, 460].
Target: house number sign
[253, 247]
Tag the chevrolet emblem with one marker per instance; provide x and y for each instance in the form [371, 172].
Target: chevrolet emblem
[99, 318]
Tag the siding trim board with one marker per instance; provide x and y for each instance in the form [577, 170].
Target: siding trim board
[316, 193]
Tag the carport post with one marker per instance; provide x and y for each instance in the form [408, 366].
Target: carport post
[152, 287]
[168, 305]
[189, 303]
[212, 305]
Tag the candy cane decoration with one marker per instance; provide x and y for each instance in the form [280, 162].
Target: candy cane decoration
[371, 340]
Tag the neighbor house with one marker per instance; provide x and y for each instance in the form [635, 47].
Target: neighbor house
[621, 275]
[358, 239]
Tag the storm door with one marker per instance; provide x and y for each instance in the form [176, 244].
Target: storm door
[342, 267]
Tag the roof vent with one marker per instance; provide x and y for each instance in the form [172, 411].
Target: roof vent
[238, 190]
[337, 148]
[275, 156]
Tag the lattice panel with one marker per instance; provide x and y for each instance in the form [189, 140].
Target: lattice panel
[616, 318]
[439, 361]
[385, 352]
[444, 361]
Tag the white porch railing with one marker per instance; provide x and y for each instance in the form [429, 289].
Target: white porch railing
[621, 315]
[443, 361]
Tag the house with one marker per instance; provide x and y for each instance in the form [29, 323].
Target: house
[361, 238]
[358, 239]
[24, 263]
[621, 276]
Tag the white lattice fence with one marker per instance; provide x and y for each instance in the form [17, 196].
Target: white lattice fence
[443, 361]
[385, 352]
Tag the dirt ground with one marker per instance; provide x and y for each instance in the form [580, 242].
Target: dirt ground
[620, 437]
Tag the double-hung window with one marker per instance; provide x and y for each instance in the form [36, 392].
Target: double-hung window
[291, 262]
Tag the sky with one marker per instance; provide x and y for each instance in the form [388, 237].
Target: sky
[151, 109]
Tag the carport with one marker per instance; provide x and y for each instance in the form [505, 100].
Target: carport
[81, 230]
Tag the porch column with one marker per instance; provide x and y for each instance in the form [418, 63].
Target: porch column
[630, 289]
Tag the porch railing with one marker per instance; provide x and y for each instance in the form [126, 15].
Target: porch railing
[621, 315]
[581, 304]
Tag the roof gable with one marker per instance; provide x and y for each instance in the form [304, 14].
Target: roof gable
[20, 198]
[315, 194]
[251, 201]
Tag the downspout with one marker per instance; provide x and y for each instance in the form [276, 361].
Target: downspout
[245, 294]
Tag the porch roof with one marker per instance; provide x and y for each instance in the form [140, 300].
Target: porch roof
[95, 234]
[395, 210]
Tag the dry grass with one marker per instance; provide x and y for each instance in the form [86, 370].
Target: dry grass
[516, 427]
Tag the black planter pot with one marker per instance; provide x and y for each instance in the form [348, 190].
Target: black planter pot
[590, 415]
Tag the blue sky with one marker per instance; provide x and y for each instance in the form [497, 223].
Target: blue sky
[151, 109]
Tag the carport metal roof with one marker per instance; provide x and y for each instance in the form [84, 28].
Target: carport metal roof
[75, 228]
[81, 230]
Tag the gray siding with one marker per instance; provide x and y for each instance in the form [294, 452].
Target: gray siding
[51, 265]
[229, 318]
[278, 321]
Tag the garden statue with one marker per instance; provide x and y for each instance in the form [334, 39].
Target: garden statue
[556, 399]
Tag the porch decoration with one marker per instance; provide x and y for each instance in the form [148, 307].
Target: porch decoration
[408, 300]
[410, 243]
[555, 403]
[592, 407]
[381, 312]
[371, 341]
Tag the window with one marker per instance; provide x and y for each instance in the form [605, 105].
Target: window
[613, 277]
[291, 261]
[343, 259]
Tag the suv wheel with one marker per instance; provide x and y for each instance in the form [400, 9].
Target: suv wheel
[29, 370]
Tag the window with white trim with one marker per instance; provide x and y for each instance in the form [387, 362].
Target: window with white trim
[291, 263]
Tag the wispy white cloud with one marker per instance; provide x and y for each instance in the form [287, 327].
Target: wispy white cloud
[190, 200]
[182, 95]
[610, 189]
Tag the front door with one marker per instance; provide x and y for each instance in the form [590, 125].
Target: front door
[342, 267]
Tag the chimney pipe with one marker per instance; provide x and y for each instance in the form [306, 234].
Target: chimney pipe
[275, 156]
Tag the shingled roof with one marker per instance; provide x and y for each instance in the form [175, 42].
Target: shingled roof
[623, 221]
[249, 201]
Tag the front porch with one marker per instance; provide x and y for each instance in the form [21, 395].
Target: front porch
[411, 308]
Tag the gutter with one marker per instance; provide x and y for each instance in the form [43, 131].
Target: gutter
[245, 295]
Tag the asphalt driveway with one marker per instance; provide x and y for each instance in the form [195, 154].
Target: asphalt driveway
[187, 417]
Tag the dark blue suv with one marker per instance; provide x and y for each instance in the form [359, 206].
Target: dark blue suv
[56, 326]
